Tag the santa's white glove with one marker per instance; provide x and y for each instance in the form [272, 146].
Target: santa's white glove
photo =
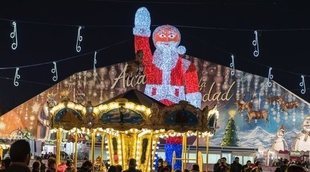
[194, 99]
[142, 23]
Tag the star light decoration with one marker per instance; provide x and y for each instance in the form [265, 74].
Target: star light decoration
[232, 113]
[35, 107]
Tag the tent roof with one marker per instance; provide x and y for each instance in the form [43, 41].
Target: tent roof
[211, 30]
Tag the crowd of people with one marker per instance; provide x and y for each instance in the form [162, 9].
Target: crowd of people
[222, 166]
[284, 163]
[19, 159]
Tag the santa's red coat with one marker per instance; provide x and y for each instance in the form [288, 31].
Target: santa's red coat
[183, 77]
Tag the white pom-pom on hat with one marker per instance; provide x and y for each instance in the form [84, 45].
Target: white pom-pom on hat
[181, 50]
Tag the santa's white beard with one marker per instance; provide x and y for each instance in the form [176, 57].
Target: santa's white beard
[165, 56]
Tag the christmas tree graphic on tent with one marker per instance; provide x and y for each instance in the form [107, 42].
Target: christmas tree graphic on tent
[230, 136]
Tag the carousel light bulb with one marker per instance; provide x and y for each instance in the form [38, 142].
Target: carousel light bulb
[96, 110]
[137, 107]
[148, 111]
[142, 108]
[103, 107]
[70, 105]
[61, 106]
[83, 110]
[127, 105]
[157, 147]
[80, 107]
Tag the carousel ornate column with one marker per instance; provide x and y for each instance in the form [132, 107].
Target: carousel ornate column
[75, 148]
[184, 151]
[197, 145]
[58, 144]
[102, 145]
[1, 152]
[92, 148]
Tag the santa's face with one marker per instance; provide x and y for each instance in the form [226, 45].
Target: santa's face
[166, 36]
[306, 124]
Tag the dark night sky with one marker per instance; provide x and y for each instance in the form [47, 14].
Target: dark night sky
[284, 34]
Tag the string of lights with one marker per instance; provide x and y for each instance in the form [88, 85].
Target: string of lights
[155, 25]
[255, 43]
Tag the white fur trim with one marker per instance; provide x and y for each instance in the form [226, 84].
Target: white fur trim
[194, 99]
[186, 64]
[141, 32]
[165, 92]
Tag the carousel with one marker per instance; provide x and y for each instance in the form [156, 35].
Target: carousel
[130, 126]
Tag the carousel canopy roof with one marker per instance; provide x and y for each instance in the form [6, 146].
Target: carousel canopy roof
[137, 97]
[133, 109]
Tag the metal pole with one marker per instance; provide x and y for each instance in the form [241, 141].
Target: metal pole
[197, 144]
[207, 151]
[183, 153]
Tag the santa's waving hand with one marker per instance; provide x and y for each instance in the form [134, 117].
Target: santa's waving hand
[169, 77]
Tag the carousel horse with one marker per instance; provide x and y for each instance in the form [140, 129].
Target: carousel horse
[259, 114]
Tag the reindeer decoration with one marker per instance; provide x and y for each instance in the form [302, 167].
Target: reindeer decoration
[242, 105]
[252, 114]
[259, 114]
[285, 105]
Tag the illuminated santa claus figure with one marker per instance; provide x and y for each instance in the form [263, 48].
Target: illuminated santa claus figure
[169, 77]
